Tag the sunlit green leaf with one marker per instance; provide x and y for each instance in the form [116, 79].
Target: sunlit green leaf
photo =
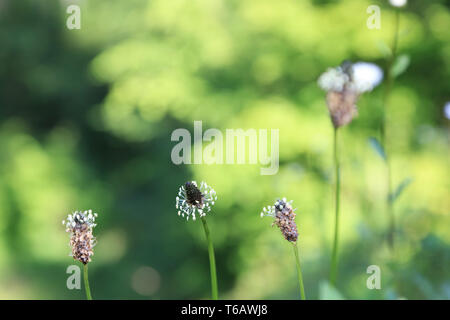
[400, 65]
[384, 49]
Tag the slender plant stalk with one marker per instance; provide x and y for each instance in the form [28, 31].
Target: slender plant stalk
[334, 256]
[212, 261]
[86, 283]
[385, 133]
[299, 272]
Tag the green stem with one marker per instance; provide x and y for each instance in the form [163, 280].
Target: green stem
[384, 130]
[334, 256]
[86, 283]
[299, 272]
[390, 208]
[212, 261]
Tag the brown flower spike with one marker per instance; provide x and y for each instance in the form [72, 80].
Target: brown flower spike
[342, 107]
[284, 217]
[82, 241]
[344, 85]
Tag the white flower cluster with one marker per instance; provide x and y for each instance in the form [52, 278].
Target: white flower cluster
[192, 199]
[366, 76]
[334, 79]
[79, 218]
[363, 77]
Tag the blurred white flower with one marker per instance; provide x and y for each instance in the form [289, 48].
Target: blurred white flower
[447, 110]
[334, 79]
[359, 77]
[398, 3]
[366, 76]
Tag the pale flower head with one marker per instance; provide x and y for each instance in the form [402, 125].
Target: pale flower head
[344, 84]
[366, 76]
[398, 3]
[334, 79]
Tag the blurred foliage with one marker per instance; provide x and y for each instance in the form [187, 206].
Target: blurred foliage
[85, 122]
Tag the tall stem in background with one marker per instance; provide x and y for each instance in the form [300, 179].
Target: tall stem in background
[86, 283]
[212, 261]
[385, 133]
[334, 256]
[299, 272]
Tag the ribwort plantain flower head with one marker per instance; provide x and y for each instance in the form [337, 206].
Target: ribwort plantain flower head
[193, 199]
[82, 241]
[284, 218]
[344, 84]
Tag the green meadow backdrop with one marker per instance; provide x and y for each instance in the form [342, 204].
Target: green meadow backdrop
[86, 118]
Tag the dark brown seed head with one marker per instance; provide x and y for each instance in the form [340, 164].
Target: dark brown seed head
[194, 196]
[82, 243]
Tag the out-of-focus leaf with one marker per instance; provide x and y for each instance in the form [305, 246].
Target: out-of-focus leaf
[328, 292]
[400, 65]
[384, 49]
[394, 195]
[376, 145]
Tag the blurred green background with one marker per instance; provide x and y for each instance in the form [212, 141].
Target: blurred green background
[85, 122]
